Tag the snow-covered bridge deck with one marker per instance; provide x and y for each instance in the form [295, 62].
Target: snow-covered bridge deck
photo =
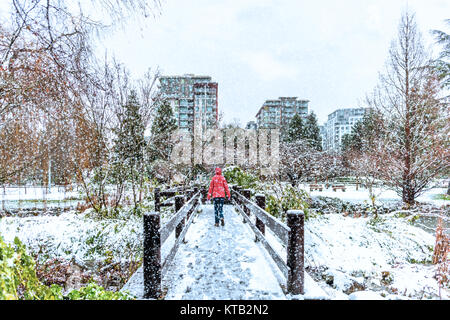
[221, 263]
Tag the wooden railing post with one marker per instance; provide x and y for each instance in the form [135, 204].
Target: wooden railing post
[295, 252]
[260, 202]
[152, 255]
[191, 210]
[189, 194]
[179, 202]
[204, 195]
[157, 200]
[238, 190]
[246, 193]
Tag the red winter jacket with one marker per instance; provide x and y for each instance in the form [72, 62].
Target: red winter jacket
[218, 186]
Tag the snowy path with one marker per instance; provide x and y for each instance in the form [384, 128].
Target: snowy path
[220, 262]
[217, 263]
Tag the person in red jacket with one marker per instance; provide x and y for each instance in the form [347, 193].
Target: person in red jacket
[218, 188]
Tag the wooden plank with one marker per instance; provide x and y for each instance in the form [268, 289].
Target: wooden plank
[280, 229]
[275, 256]
[169, 258]
[167, 193]
[170, 226]
[166, 204]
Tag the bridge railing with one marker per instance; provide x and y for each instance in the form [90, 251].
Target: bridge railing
[155, 235]
[290, 234]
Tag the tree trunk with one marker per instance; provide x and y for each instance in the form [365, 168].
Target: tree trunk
[448, 188]
[408, 193]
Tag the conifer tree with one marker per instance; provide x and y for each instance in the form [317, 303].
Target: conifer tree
[129, 146]
[363, 134]
[164, 124]
[295, 130]
[443, 63]
[312, 132]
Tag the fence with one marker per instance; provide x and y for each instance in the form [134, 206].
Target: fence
[291, 235]
[155, 235]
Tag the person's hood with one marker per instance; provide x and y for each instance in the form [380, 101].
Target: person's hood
[218, 171]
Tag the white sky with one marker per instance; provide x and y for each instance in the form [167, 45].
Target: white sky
[326, 51]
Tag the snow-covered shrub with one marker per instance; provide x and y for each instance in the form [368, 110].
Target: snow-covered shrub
[289, 199]
[19, 280]
[237, 176]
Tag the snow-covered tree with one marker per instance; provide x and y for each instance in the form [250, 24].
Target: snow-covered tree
[129, 146]
[300, 154]
[312, 132]
[160, 142]
[415, 148]
[295, 130]
[443, 62]
[299, 161]
[164, 124]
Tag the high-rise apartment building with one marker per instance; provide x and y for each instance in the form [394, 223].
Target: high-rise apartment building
[322, 136]
[340, 122]
[193, 100]
[278, 113]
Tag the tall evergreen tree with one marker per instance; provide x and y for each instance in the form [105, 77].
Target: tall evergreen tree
[443, 63]
[129, 146]
[363, 134]
[164, 124]
[295, 130]
[312, 132]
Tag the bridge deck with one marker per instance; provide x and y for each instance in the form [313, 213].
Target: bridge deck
[217, 263]
[220, 263]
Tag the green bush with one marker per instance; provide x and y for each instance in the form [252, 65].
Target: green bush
[95, 292]
[18, 279]
[290, 199]
[237, 176]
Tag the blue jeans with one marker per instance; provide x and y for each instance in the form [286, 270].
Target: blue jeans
[218, 209]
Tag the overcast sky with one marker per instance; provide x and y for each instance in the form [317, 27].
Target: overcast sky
[326, 51]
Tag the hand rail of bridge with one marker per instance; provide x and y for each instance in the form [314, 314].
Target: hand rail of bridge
[155, 236]
[279, 229]
[291, 235]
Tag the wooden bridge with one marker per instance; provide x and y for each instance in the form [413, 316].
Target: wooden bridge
[186, 202]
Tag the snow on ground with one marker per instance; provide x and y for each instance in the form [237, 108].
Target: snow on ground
[389, 257]
[382, 195]
[360, 253]
[36, 193]
[78, 236]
